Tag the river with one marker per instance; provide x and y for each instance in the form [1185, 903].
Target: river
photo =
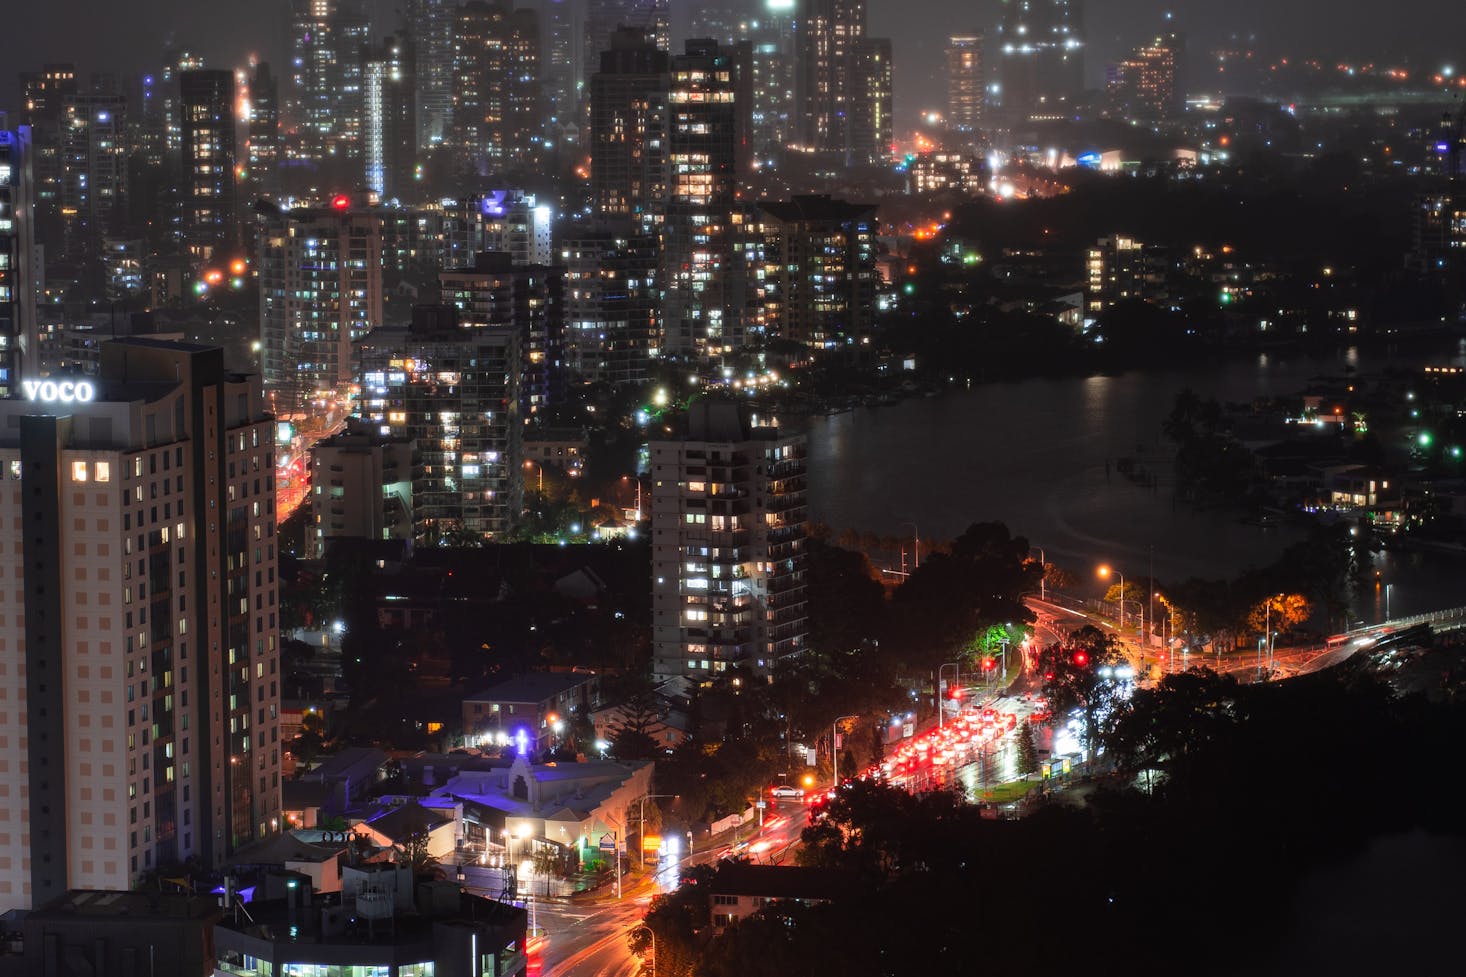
[1039, 455]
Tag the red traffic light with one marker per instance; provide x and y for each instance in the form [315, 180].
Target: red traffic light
[341, 201]
[1081, 658]
[989, 664]
[955, 692]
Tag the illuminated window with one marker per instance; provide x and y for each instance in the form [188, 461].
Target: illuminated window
[78, 471]
[102, 471]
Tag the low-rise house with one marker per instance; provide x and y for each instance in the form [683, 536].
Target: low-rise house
[740, 889]
[531, 711]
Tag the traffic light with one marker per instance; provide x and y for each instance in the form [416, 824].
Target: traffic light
[955, 692]
[1081, 658]
[988, 664]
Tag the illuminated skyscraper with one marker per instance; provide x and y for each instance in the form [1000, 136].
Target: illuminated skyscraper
[496, 114]
[44, 98]
[389, 122]
[628, 127]
[702, 142]
[965, 83]
[494, 293]
[561, 50]
[1040, 58]
[773, 113]
[18, 339]
[93, 172]
[455, 393]
[142, 687]
[320, 287]
[821, 267]
[612, 326]
[326, 41]
[431, 28]
[264, 131]
[844, 82]
[728, 545]
[207, 104]
[1144, 86]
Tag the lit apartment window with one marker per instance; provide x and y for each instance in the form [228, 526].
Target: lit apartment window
[78, 471]
[102, 471]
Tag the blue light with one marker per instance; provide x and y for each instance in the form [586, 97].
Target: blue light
[1091, 160]
[521, 742]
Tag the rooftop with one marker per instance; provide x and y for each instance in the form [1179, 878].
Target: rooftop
[533, 687]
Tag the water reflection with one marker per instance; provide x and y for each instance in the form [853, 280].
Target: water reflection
[1041, 456]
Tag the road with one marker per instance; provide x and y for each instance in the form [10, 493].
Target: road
[588, 936]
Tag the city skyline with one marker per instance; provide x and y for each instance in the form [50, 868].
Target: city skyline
[122, 39]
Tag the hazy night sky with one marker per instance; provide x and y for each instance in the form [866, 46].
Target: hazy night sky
[121, 35]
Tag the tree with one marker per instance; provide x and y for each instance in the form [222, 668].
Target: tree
[311, 739]
[1027, 751]
[631, 737]
[1280, 611]
[1079, 676]
[413, 853]
[954, 596]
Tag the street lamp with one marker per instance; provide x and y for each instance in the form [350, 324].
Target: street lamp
[638, 494]
[1104, 571]
[653, 936]
[915, 545]
[541, 469]
[835, 746]
[941, 706]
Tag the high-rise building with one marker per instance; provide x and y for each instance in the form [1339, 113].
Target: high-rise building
[628, 127]
[871, 131]
[431, 29]
[728, 557]
[18, 287]
[320, 272]
[207, 105]
[1120, 269]
[605, 17]
[495, 293]
[697, 246]
[965, 83]
[263, 131]
[142, 691]
[1040, 58]
[44, 98]
[822, 269]
[93, 172]
[612, 325]
[312, 100]
[361, 487]
[389, 122]
[511, 221]
[496, 114]
[561, 51]
[455, 393]
[1144, 86]
[844, 83]
[773, 112]
[327, 78]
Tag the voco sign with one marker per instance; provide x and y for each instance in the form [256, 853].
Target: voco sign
[59, 391]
